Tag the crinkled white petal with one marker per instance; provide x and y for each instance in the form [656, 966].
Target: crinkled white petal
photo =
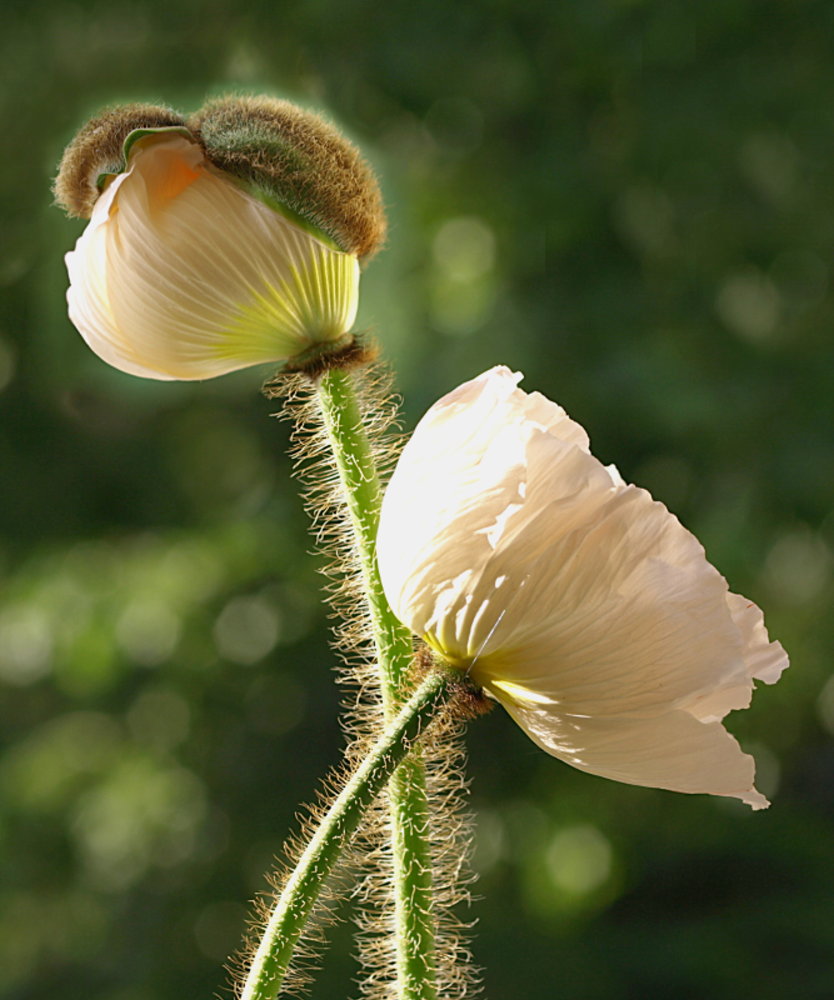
[472, 447]
[517, 555]
[672, 751]
[183, 275]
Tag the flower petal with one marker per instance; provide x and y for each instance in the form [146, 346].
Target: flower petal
[474, 445]
[671, 751]
[624, 615]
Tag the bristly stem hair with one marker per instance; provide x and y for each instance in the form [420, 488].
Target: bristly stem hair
[292, 909]
[414, 841]
[409, 811]
[356, 463]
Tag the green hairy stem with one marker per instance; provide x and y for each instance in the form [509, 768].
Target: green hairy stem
[415, 923]
[363, 495]
[293, 907]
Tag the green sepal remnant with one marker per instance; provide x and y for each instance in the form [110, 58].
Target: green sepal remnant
[296, 218]
[130, 140]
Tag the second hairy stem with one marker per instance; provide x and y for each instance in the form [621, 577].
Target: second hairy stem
[292, 908]
[409, 813]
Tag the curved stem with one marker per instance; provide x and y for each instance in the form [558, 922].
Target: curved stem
[293, 907]
[407, 793]
[363, 495]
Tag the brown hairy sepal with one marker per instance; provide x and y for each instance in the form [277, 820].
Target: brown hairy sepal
[293, 159]
[299, 159]
[352, 351]
[98, 148]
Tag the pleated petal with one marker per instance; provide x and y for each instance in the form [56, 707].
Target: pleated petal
[182, 274]
[632, 611]
[87, 297]
[473, 446]
[557, 585]
[671, 751]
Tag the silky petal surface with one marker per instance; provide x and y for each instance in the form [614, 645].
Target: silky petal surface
[671, 751]
[521, 558]
[181, 274]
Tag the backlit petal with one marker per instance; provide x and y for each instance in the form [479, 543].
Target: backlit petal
[574, 598]
[671, 751]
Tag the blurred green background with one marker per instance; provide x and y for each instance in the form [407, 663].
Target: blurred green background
[629, 201]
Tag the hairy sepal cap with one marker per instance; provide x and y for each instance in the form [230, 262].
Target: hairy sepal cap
[98, 151]
[296, 162]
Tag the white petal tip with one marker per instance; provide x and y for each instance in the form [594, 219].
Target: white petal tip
[755, 800]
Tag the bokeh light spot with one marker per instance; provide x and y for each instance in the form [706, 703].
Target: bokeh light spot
[798, 566]
[464, 248]
[26, 644]
[45, 770]
[142, 816]
[749, 305]
[247, 629]
[578, 859]
[147, 632]
[462, 290]
[490, 840]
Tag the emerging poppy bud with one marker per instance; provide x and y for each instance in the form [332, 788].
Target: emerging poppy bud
[576, 600]
[188, 271]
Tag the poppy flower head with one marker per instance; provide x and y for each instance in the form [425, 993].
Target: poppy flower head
[573, 598]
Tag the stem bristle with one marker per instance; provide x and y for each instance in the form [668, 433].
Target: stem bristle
[370, 855]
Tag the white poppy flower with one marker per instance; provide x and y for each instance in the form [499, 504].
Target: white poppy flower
[182, 274]
[577, 601]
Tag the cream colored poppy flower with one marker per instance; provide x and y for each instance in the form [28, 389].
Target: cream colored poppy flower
[182, 274]
[576, 600]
